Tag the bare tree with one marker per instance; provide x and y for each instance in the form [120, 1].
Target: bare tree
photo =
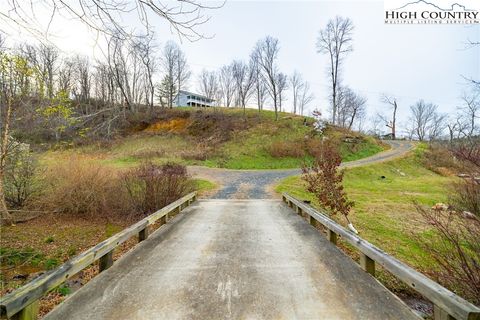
[437, 127]
[470, 111]
[145, 48]
[260, 87]
[282, 85]
[227, 85]
[297, 85]
[48, 59]
[265, 53]
[175, 70]
[208, 83]
[392, 123]
[66, 76]
[82, 69]
[335, 41]
[108, 16]
[243, 74]
[351, 107]
[182, 69]
[305, 97]
[422, 116]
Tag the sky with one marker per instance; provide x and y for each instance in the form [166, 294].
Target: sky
[411, 62]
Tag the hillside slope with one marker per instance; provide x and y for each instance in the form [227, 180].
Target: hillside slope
[223, 138]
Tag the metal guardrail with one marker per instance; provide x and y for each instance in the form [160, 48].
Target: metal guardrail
[447, 305]
[23, 302]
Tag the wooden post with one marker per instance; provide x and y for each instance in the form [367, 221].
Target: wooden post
[299, 211]
[143, 234]
[332, 236]
[106, 261]
[30, 312]
[163, 220]
[367, 264]
[440, 314]
[312, 221]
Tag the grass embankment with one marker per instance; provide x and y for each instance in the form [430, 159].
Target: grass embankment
[384, 211]
[222, 138]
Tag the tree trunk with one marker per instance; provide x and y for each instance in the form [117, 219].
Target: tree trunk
[5, 216]
[394, 120]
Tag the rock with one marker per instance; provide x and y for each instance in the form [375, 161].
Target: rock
[401, 173]
[20, 277]
[468, 215]
[463, 175]
[440, 207]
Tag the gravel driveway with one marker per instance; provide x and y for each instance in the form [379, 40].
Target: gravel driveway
[259, 184]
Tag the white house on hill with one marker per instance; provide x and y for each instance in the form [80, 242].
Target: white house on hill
[190, 99]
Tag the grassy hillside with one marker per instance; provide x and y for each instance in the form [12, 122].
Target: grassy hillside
[223, 138]
[384, 211]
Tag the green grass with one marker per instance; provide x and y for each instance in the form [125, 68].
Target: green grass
[384, 210]
[246, 149]
[202, 186]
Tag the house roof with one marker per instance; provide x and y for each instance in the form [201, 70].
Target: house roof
[195, 94]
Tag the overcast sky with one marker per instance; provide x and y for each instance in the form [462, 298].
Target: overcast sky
[409, 61]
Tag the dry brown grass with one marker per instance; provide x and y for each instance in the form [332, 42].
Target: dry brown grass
[281, 149]
[81, 188]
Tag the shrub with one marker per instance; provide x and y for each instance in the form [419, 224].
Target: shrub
[466, 196]
[20, 180]
[281, 149]
[151, 187]
[439, 159]
[456, 249]
[82, 188]
[324, 180]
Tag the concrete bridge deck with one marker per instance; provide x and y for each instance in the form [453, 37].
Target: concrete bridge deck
[234, 259]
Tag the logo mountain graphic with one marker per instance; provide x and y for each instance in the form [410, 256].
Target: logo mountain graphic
[452, 7]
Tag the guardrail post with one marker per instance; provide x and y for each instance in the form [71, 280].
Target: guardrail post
[440, 314]
[367, 264]
[143, 234]
[312, 221]
[332, 236]
[163, 219]
[284, 198]
[299, 211]
[106, 261]
[30, 312]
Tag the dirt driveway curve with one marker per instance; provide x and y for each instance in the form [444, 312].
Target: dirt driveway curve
[258, 184]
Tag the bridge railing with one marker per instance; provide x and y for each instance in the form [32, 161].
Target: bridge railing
[447, 305]
[23, 302]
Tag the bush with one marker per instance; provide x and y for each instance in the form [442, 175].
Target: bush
[151, 187]
[466, 196]
[82, 188]
[281, 149]
[20, 180]
[456, 249]
[439, 159]
[325, 181]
